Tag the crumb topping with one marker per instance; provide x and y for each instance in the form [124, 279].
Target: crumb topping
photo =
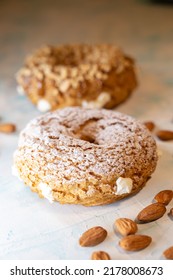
[68, 74]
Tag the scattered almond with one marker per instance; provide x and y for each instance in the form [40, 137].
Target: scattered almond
[135, 242]
[164, 196]
[150, 125]
[165, 135]
[7, 127]
[171, 212]
[125, 226]
[100, 255]
[93, 236]
[168, 253]
[151, 213]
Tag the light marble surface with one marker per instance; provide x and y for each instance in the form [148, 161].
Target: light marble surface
[32, 228]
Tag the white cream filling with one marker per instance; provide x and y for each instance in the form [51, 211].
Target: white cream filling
[15, 172]
[123, 185]
[43, 105]
[103, 98]
[100, 102]
[46, 191]
[20, 90]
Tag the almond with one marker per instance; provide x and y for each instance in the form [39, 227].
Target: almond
[135, 242]
[151, 213]
[100, 255]
[171, 212]
[93, 236]
[165, 135]
[7, 127]
[125, 226]
[164, 196]
[150, 125]
[168, 253]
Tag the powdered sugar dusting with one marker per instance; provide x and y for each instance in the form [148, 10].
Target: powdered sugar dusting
[75, 146]
[91, 191]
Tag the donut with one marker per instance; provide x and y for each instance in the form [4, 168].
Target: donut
[85, 156]
[91, 76]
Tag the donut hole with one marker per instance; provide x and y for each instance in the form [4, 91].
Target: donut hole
[88, 138]
[88, 131]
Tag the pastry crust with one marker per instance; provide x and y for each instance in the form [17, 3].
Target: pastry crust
[85, 156]
[92, 76]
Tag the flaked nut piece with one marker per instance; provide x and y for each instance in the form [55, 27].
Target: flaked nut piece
[150, 125]
[151, 213]
[164, 196]
[168, 253]
[93, 236]
[135, 242]
[7, 127]
[165, 135]
[100, 255]
[125, 226]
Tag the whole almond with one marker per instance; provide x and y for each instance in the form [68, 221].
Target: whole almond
[151, 213]
[165, 135]
[171, 212]
[150, 125]
[7, 127]
[125, 226]
[168, 253]
[100, 255]
[164, 196]
[93, 236]
[135, 242]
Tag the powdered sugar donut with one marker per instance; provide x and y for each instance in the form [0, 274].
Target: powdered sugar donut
[91, 76]
[85, 156]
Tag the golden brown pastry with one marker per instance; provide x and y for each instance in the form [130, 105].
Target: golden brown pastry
[91, 76]
[85, 156]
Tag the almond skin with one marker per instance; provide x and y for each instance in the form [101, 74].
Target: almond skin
[168, 253]
[151, 213]
[135, 242]
[93, 237]
[164, 196]
[165, 135]
[125, 226]
[7, 127]
[150, 125]
[171, 212]
[100, 255]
